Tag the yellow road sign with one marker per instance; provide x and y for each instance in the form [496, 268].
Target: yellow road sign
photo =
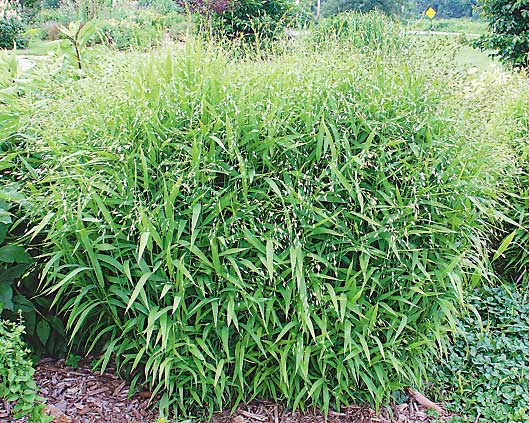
[430, 12]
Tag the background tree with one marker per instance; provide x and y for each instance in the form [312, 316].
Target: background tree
[508, 33]
[449, 8]
[332, 7]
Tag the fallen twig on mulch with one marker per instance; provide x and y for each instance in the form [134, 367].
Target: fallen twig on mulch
[425, 402]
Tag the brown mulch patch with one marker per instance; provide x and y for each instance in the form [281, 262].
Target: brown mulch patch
[268, 412]
[82, 396]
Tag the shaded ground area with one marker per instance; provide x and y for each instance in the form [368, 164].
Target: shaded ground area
[82, 396]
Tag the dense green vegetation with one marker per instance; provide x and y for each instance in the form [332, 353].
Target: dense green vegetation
[159, 249]
[18, 280]
[483, 374]
[244, 20]
[304, 220]
[333, 7]
[124, 27]
[12, 33]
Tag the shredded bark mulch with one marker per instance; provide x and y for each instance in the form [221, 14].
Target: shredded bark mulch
[82, 396]
[267, 412]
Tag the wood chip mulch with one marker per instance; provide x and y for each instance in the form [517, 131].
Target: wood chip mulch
[267, 412]
[82, 396]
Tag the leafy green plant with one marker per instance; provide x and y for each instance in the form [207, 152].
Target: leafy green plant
[178, 26]
[9, 91]
[14, 259]
[13, 82]
[518, 255]
[12, 31]
[79, 35]
[73, 360]
[298, 228]
[509, 35]
[18, 285]
[16, 375]
[484, 374]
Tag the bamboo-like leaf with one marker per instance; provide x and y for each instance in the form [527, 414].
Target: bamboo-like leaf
[138, 289]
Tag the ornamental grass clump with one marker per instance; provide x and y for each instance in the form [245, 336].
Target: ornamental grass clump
[298, 228]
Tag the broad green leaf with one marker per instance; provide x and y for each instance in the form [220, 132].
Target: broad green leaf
[43, 330]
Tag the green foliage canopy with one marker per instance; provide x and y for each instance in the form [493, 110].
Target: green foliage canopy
[242, 18]
[509, 30]
[448, 8]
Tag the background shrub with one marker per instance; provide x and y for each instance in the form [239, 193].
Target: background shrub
[50, 4]
[12, 33]
[123, 25]
[129, 34]
[448, 8]
[14, 259]
[162, 6]
[247, 18]
[243, 18]
[333, 7]
[62, 16]
[362, 31]
[18, 280]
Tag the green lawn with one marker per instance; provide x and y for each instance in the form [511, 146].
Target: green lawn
[470, 56]
[463, 25]
[454, 52]
[37, 48]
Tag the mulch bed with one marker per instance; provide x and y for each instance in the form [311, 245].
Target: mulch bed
[82, 396]
[267, 412]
